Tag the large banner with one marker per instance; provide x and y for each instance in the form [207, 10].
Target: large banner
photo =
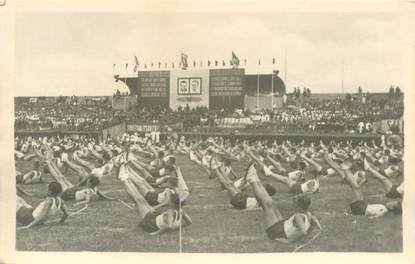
[153, 87]
[227, 88]
[226, 82]
[189, 87]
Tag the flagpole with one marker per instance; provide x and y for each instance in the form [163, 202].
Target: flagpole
[257, 94]
[285, 68]
[343, 77]
[272, 90]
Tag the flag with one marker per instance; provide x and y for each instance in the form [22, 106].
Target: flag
[184, 61]
[235, 61]
[136, 63]
[273, 60]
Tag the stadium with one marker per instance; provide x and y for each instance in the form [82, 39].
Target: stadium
[215, 109]
[221, 158]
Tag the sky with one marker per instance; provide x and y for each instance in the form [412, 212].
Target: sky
[74, 53]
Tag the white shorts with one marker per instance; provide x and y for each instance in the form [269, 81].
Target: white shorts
[18, 154]
[251, 203]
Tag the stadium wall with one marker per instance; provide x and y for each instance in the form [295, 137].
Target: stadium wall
[332, 96]
[251, 136]
[382, 125]
[50, 133]
[114, 131]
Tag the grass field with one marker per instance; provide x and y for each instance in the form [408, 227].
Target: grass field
[110, 226]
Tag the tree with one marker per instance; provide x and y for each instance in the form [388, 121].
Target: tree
[398, 91]
[348, 97]
[391, 91]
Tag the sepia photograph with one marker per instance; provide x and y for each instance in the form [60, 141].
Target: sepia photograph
[209, 132]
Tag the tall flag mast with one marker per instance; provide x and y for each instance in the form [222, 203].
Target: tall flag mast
[285, 68]
[343, 77]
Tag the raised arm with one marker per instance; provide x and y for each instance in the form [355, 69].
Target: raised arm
[276, 164]
[333, 164]
[65, 213]
[186, 218]
[314, 220]
[317, 166]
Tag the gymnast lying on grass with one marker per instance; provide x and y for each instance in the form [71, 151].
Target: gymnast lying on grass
[51, 210]
[299, 225]
[83, 192]
[152, 220]
[359, 206]
[236, 190]
[31, 177]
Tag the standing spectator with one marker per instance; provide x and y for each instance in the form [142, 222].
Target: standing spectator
[360, 127]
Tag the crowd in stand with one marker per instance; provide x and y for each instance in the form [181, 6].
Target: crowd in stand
[350, 114]
[337, 115]
[63, 113]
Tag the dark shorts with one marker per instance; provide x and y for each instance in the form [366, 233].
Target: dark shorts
[212, 175]
[152, 198]
[358, 207]
[276, 230]
[239, 201]
[69, 194]
[155, 173]
[19, 178]
[393, 192]
[149, 222]
[296, 188]
[24, 216]
[317, 173]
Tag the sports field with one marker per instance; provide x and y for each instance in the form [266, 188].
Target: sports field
[111, 226]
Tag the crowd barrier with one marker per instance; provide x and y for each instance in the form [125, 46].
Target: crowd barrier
[297, 137]
[41, 133]
[114, 131]
[119, 129]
